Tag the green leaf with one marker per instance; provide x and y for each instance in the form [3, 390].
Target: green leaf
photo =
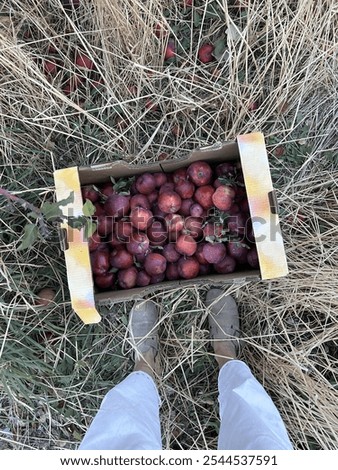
[88, 208]
[68, 200]
[197, 19]
[122, 186]
[220, 48]
[76, 222]
[30, 235]
[213, 12]
[51, 210]
[89, 228]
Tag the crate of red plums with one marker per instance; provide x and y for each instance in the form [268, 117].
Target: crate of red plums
[210, 217]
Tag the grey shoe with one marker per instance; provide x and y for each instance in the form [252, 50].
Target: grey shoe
[143, 328]
[223, 317]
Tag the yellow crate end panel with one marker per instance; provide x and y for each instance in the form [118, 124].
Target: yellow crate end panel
[269, 241]
[79, 274]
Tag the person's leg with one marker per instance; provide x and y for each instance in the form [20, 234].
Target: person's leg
[249, 419]
[129, 414]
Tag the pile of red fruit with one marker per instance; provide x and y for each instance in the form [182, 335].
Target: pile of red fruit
[180, 225]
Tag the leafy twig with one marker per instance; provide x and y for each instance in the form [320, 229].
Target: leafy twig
[45, 232]
[48, 213]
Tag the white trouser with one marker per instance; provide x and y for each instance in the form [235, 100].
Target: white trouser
[129, 415]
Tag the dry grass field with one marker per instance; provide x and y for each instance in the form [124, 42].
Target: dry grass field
[274, 70]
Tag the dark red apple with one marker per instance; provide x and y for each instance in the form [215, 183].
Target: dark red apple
[185, 189]
[238, 251]
[214, 252]
[252, 258]
[107, 189]
[140, 257]
[158, 214]
[199, 255]
[179, 176]
[157, 233]
[155, 263]
[186, 245]
[123, 229]
[200, 173]
[223, 197]
[204, 269]
[105, 281]
[157, 278]
[121, 258]
[205, 53]
[152, 197]
[188, 268]
[193, 226]
[133, 189]
[237, 223]
[185, 207]
[174, 222]
[169, 202]
[114, 241]
[99, 209]
[138, 243]
[160, 179]
[143, 279]
[213, 229]
[145, 184]
[127, 277]
[171, 272]
[227, 265]
[104, 225]
[225, 169]
[141, 218]
[196, 210]
[170, 253]
[204, 196]
[90, 193]
[139, 200]
[99, 261]
[168, 186]
[234, 209]
[117, 205]
[94, 241]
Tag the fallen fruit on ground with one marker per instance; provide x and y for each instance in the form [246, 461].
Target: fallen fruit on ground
[205, 53]
[45, 296]
[83, 61]
[170, 50]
